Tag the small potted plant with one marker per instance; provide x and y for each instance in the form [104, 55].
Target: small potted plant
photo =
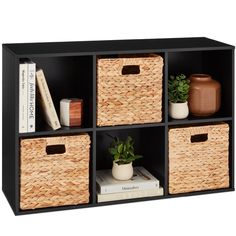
[123, 156]
[178, 91]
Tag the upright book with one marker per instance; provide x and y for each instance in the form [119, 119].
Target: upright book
[27, 96]
[46, 101]
[31, 96]
[141, 180]
[23, 98]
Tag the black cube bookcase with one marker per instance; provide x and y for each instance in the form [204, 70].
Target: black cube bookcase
[71, 72]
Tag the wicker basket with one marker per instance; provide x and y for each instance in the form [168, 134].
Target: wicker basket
[198, 158]
[54, 171]
[129, 90]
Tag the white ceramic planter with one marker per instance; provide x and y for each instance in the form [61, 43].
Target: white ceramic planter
[122, 172]
[178, 110]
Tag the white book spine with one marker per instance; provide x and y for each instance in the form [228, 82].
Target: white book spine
[31, 97]
[23, 93]
[130, 195]
[129, 187]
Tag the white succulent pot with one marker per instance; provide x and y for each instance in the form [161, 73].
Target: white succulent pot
[122, 172]
[178, 110]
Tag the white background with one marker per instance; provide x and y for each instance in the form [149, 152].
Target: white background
[35, 21]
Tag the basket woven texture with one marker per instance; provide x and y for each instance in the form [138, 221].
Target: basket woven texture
[196, 166]
[129, 98]
[55, 179]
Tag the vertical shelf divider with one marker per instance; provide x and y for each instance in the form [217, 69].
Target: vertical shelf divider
[94, 129]
[17, 139]
[166, 122]
[233, 127]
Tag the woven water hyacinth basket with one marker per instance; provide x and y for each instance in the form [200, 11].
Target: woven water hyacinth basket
[54, 171]
[198, 158]
[129, 90]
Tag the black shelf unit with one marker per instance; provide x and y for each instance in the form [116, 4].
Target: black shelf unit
[63, 62]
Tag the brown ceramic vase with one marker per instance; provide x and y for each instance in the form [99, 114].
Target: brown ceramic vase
[204, 95]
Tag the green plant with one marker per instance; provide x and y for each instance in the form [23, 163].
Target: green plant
[123, 151]
[178, 88]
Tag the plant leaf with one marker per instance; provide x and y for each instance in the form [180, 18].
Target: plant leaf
[120, 148]
[116, 157]
[178, 88]
[123, 151]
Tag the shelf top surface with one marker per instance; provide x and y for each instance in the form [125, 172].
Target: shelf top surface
[114, 46]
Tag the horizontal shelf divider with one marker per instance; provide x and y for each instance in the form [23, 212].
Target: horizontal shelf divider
[197, 193]
[165, 196]
[56, 208]
[49, 209]
[117, 127]
[199, 120]
[62, 131]
[130, 200]
[68, 130]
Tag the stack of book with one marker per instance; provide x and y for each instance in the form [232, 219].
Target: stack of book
[28, 79]
[142, 184]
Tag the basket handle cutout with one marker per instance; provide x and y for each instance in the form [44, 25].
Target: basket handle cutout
[55, 149]
[131, 70]
[199, 138]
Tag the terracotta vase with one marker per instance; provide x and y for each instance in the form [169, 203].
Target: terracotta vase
[204, 95]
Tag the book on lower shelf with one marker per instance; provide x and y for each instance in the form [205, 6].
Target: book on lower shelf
[142, 184]
[130, 195]
[141, 180]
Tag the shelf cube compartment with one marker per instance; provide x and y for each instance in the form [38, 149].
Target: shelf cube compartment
[129, 89]
[217, 63]
[67, 77]
[148, 142]
[54, 171]
[199, 158]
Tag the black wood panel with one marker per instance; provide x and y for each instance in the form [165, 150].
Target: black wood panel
[113, 45]
[218, 64]
[9, 128]
[60, 208]
[185, 63]
[232, 137]
[166, 164]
